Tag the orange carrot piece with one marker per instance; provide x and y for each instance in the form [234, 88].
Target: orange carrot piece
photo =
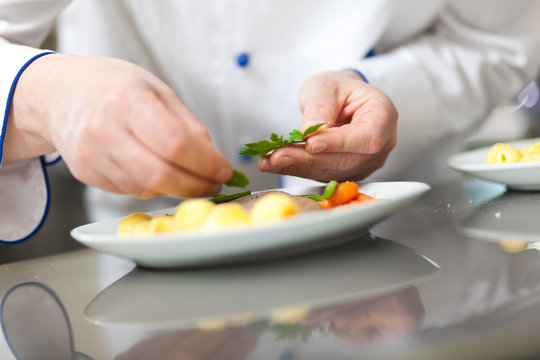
[345, 192]
[325, 204]
[362, 198]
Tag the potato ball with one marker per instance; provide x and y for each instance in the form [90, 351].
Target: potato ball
[226, 215]
[534, 148]
[192, 213]
[127, 225]
[502, 154]
[273, 207]
[162, 223]
[530, 157]
[142, 228]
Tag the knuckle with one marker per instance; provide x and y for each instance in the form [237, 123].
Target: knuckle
[375, 144]
[201, 132]
[89, 127]
[346, 162]
[157, 179]
[125, 182]
[175, 146]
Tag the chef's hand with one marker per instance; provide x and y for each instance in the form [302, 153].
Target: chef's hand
[116, 126]
[359, 135]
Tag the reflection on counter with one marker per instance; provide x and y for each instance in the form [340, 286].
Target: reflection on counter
[36, 325]
[389, 315]
[502, 220]
[362, 320]
[357, 293]
[257, 291]
[354, 293]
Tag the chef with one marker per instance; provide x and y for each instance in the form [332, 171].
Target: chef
[153, 99]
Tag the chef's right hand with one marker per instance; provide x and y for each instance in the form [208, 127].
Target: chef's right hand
[116, 126]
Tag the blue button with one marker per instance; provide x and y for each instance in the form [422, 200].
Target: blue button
[242, 60]
[244, 158]
[370, 53]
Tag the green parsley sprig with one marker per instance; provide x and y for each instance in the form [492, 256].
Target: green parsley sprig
[223, 198]
[264, 147]
[238, 179]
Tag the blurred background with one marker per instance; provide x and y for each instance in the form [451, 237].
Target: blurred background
[515, 120]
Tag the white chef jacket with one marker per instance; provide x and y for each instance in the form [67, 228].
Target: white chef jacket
[238, 65]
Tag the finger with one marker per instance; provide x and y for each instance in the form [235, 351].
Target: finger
[179, 142]
[97, 180]
[319, 104]
[368, 133]
[158, 177]
[92, 165]
[324, 166]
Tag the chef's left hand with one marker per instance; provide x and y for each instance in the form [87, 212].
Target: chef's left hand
[360, 132]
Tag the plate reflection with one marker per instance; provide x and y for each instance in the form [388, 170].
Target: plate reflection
[229, 295]
[510, 219]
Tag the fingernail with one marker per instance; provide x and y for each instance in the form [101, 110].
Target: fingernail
[285, 161]
[318, 147]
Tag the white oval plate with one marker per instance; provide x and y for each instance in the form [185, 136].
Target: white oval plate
[516, 176]
[304, 232]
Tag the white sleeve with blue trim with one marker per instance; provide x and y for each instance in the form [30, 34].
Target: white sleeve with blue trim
[24, 190]
[24, 185]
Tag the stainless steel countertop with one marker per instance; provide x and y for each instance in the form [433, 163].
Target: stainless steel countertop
[431, 282]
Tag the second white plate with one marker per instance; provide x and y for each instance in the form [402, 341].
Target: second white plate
[516, 176]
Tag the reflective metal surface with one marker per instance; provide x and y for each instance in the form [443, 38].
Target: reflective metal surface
[454, 276]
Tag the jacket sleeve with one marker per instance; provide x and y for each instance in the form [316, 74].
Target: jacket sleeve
[445, 81]
[24, 191]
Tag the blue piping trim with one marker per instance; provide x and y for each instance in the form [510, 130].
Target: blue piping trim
[10, 97]
[54, 162]
[47, 206]
[359, 74]
[60, 305]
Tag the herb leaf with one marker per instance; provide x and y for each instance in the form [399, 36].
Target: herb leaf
[263, 147]
[310, 130]
[223, 198]
[238, 179]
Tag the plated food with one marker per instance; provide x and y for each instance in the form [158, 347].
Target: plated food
[298, 234]
[497, 163]
[502, 153]
[249, 210]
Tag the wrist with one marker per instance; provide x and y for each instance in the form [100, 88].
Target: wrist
[26, 133]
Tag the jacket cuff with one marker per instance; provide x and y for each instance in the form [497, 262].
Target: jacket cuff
[24, 186]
